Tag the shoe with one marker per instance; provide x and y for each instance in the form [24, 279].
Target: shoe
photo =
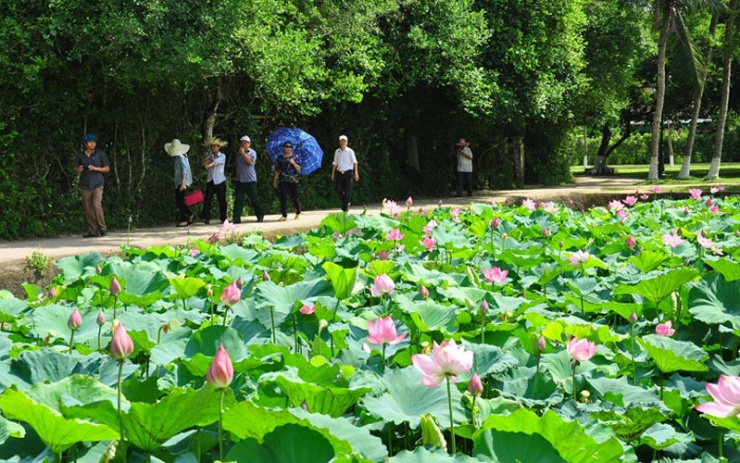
[297, 216]
[282, 219]
[104, 232]
[89, 235]
[236, 221]
[183, 224]
[191, 218]
[260, 219]
[206, 222]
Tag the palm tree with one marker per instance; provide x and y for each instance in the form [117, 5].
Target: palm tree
[667, 14]
[729, 48]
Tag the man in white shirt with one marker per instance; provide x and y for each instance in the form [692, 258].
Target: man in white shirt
[344, 171]
[464, 167]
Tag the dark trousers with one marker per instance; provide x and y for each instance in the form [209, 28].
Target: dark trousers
[289, 189]
[250, 188]
[220, 191]
[467, 178]
[184, 210]
[343, 186]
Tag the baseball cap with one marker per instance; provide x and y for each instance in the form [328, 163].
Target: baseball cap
[245, 138]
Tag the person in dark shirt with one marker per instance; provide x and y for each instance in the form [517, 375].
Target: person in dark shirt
[91, 163]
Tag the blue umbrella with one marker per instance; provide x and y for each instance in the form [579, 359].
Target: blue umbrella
[306, 149]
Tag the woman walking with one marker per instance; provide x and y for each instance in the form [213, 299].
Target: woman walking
[214, 164]
[183, 179]
[286, 178]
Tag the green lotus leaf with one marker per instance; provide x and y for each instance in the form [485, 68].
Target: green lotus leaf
[339, 222]
[729, 268]
[525, 436]
[332, 401]
[75, 267]
[658, 288]
[207, 341]
[671, 355]
[185, 287]
[648, 260]
[289, 443]
[11, 308]
[715, 301]
[342, 279]
[56, 431]
[430, 316]
[407, 400]
[425, 455]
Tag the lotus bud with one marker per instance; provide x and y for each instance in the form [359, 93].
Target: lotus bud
[484, 308]
[495, 223]
[633, 317]
[631, 243]
[101, 319]
[475, 386]
[439, 203]
[409, 202]
[308, 309]
[239, 282]
[115, 287]
[322, 325]
[545, 232]
[231, 294]
[561, 244]
[265, 276]
[585, 395]
[209, 291]
[53, 292]
[75, 320]
[122, 345]
[221, 371]
[541, 344]
[98, 270]
[423, 292]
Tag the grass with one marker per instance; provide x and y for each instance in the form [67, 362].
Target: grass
[729, 174]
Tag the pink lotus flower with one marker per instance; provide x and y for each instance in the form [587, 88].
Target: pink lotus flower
[423, 292]
[194, 252]
[672, 239]
[394, 235]
[455, 214]
[549, 207]
[383, 331]
[644, 197]
[75, 320]
[631, 243]
[726, 395]
[429, 243]
[717, 189]
[383, 284]
[226, 227]
[714, 209]
[494, 275]
[495, 223]
[529, 204]
[308, 309]
[213, 238]
[231, 294]
[707, 243]
[622, 214]
[221, 371]
[656, 189]
[447, 361]
[545, 232]
[665, 329]
[115, 287]
[709, 202]
[695, 193]
[615, 205]
[475, 386]
[578, 258]
[581, 349]
[409, 202]
[101, 319]
[122, 346]
[630, 200]
[391, 208]
[430, 226]
[383, 255]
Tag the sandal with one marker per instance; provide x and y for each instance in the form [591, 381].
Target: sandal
[282, 219]
[191, 218]
[183, 224]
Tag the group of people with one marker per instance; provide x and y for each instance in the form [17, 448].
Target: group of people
[91, 163]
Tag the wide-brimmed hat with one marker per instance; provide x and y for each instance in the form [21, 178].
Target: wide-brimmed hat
[214, 141]
[462, 142]
[176, 148]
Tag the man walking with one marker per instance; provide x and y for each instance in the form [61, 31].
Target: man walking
[464, 167]
[343, 171]
[246, 181]
[91, 163]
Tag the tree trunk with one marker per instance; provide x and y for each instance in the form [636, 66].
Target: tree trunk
[724, 92]
[412, 147]
[660, 96]
[698, 94]
[211, 121]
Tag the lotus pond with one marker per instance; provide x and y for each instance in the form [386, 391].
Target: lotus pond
[498, 333]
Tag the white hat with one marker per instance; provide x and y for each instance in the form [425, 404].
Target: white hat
[175, 148]
[245, 138]
[343, 137]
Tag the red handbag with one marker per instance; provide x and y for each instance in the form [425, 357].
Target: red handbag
[194, 197]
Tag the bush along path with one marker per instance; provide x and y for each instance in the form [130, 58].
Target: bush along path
[530, 332]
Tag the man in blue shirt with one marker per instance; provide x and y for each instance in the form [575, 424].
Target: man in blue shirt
[214, 164]
[91, 163]
[246, 181]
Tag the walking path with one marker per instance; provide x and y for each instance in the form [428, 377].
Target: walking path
[13, 253]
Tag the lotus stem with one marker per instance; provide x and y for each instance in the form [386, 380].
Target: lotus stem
[71, 341]
[120, 394]
[115, 300]
[452, 421]
[295, 333]
[272, 320]
[575, 364]
[632, 342]
[385, 361]
[221, 425]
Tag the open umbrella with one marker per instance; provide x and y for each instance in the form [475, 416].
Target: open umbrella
[306, 149]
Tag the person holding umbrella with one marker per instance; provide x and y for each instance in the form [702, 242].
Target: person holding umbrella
[183, 179]
[286, 179]
[214, 164]
[345, 162]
